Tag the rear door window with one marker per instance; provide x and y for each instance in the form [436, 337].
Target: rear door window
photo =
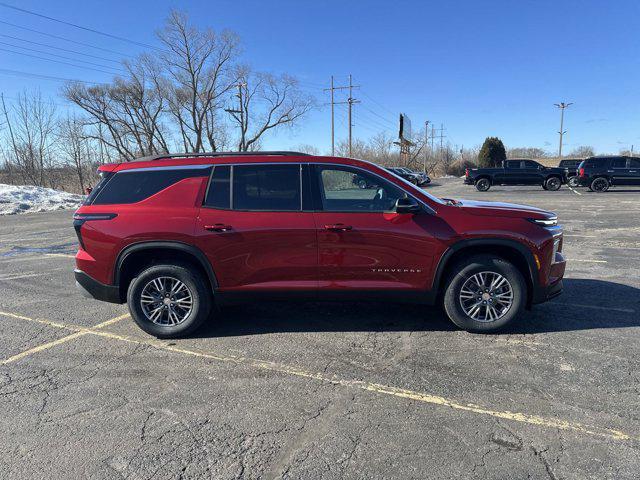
[132, 186]
[513, 164]
[619, 163]
[219, 192]
[267, 187]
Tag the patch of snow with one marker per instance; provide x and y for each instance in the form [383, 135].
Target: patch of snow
[27, 198]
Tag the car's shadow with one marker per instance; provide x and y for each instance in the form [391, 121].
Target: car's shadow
[585, 305]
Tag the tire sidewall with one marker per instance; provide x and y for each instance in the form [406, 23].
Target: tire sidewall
[552, 185]
[573, 182]
[599, 180]
[194, 282]
[480, 185]
[482, 263]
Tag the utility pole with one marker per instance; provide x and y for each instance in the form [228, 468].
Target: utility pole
[561, 106]
[234, 112]
[350, 101]
[442, 136]
[433, 136]
[426, 145]
[333, 142]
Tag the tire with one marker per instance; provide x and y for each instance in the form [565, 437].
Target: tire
[574, 181]
[362, 184]
[600, 185]
[166, 325]
[553, 183]
[488, 267]
[483, 184]
[544, 186]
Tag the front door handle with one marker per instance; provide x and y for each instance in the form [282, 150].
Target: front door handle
[338, 227]
[218, 227]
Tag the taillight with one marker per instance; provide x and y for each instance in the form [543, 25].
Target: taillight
[80, 218]
[466, 172]
[581, 172]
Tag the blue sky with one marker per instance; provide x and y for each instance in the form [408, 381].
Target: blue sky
[480, 68]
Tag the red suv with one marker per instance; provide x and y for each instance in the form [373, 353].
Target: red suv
[172, 234]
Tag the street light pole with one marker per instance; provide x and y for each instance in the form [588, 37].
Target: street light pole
[561, 106]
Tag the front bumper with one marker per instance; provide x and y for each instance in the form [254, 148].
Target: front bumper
[91, 288]
[554, 286]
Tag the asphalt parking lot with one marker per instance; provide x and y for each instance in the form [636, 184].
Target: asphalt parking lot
[327, 390]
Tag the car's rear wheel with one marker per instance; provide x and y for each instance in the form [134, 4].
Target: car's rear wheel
[574, 181]
[484, 293]
[483, 184]
[600, 184]
[553, 183]
[169, 301]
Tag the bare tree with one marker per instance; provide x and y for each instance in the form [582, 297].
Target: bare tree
[196, 75]
[266, 102]
[125, 115]
[582, 151]
[527, 152]
[75, 147]
[31, 123]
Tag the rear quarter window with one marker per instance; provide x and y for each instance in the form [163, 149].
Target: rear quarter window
[132, 186]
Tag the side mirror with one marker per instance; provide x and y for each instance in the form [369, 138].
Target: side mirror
[407, 205]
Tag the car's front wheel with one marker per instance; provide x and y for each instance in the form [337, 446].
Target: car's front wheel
[169, 301]
[483, 184]
[574, 181]
[484, 293]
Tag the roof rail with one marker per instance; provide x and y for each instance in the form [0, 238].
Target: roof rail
[161, 156]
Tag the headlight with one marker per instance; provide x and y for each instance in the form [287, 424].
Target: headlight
[545, 222]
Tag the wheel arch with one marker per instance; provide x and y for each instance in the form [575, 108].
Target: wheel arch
[511, 250]
[138, 255]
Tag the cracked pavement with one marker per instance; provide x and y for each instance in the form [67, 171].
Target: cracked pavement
[319, 391]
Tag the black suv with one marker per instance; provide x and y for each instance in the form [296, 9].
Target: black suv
[600, 173]
[570, 166]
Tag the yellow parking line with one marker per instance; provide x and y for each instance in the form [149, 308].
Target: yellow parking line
[79, 332]
[413, 395]
[42, 347]
[382, 389]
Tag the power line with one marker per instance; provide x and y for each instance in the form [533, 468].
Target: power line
[116, 37]
[378, 103]
[386, 120]
[39, 76]
[56, 61]
[61, 56]
[59, 48]
[64, 39]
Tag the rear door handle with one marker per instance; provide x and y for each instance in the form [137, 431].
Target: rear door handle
[218, 227]
[338, 227]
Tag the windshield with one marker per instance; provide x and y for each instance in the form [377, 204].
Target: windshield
[424, 192]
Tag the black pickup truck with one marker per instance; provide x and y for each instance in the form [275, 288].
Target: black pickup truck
[516, 172]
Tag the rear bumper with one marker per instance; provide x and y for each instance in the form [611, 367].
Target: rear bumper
[91, 288]
[468, 181]
[584, 181]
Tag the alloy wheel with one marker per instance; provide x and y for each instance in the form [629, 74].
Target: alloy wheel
[599, 185]
[486, 296]
[166, 301]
